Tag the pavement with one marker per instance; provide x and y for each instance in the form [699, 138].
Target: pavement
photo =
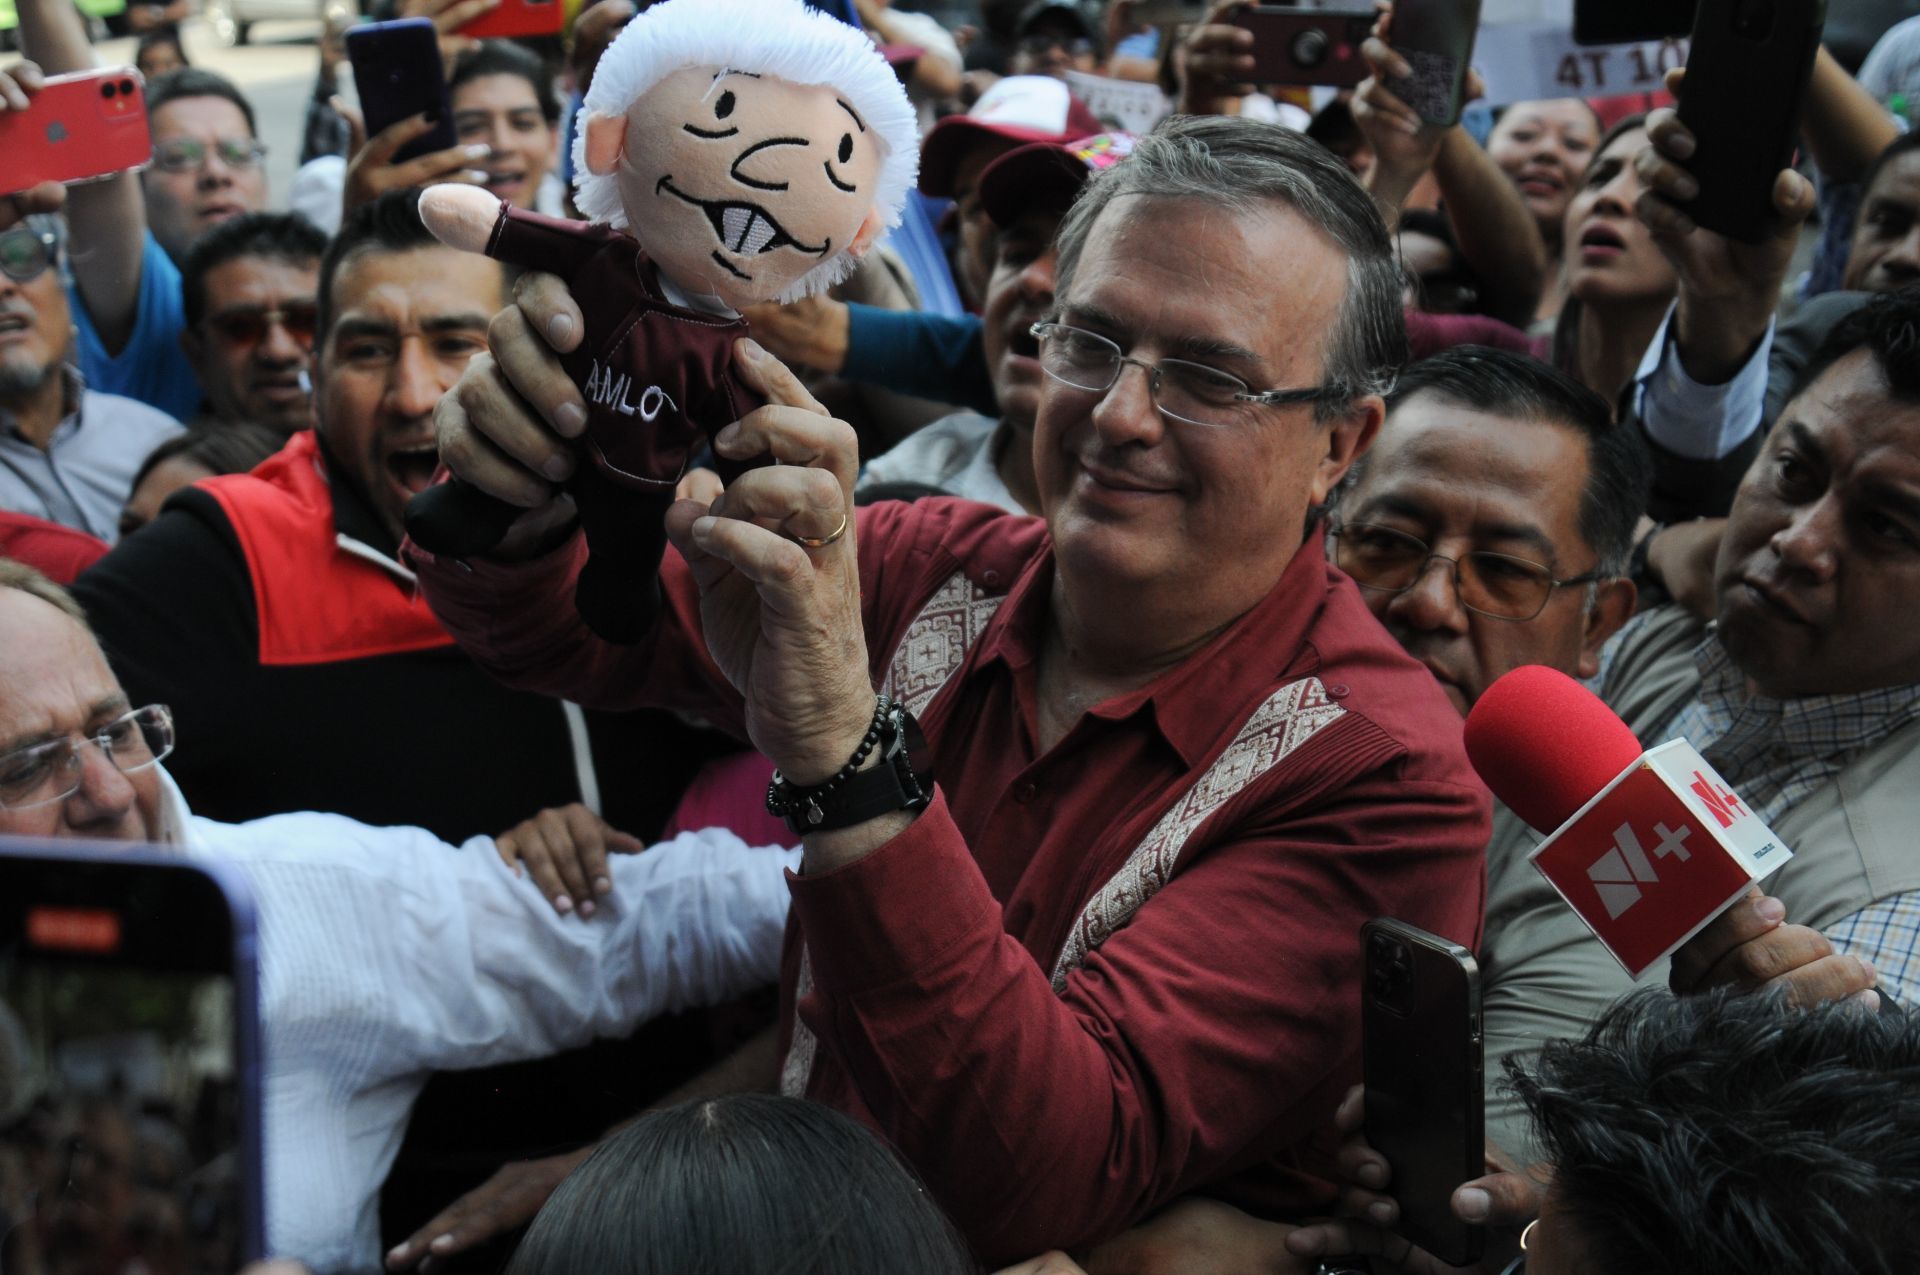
[275, 69]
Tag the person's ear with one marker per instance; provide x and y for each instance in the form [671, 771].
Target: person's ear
[1613, 603]
[1347, 441]
[606, 135]
[868, 234]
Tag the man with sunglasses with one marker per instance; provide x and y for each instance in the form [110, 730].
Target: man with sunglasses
[250, 306]
[131, 232]
[68, 453]
[1085, 937]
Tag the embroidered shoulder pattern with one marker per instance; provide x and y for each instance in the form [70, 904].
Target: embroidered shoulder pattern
[1287, 719]
[937, 642]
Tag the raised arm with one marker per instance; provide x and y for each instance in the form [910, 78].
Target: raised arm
[1845, 129]
[107, 220]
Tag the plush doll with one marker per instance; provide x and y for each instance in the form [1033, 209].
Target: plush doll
[729, 152]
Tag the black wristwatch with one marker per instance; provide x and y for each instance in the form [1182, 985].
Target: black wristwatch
[902, 781]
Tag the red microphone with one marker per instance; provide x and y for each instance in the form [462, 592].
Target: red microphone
[1646, 847]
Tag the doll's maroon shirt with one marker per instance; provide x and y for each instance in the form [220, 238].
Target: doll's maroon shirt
[658, 378]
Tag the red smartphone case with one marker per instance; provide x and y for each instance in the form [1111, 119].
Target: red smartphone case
[518, 17]
[80, 127]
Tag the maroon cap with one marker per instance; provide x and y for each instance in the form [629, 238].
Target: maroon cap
[1017, 109]
[1046, 176]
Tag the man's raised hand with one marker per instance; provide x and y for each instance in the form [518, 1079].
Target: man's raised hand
[783, 620]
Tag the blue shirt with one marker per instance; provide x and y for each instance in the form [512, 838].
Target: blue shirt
[151, 369]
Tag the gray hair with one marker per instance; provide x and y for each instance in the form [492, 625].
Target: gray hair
[1242, 166]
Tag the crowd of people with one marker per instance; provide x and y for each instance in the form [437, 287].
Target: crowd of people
[965, 867]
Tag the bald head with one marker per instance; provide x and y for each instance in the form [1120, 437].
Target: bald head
[55, 685]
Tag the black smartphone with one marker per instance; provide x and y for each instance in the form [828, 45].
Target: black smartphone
[396, 71]
[1630, 21]
[1436, 39]
[129, 1062]
[1746, 87]
[1306, 46]
[1421, 1061]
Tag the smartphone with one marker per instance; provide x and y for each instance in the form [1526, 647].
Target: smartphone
[396, 69]
[1436, 39]
[1745, 90]
[129, 1062]
[1630, 21]
[1306, 46]
[518, 17]
[79, 128]
[1421, 1061]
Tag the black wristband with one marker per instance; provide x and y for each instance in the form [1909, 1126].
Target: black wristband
[851, 795]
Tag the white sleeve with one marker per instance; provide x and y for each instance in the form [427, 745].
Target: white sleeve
[1701, 422]
[390, 952]
[925, 31]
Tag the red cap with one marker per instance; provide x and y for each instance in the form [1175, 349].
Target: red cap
[1046, 176]
[1015, 110]
[1546, 744]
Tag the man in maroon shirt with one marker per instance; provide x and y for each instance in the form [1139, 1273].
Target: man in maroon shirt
[1173, 764]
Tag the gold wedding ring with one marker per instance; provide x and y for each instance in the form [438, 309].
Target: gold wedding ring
[821, 542]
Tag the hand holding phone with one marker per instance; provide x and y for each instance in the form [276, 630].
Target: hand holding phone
[1306, 46]
[1434, 38]
[1421, 1059]
[70, 128]
[397, 70]
[1746, 88]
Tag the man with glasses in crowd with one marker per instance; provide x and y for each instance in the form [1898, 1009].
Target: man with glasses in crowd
[132, 232]
[1101, 933]
[68, 453]
[250, 308]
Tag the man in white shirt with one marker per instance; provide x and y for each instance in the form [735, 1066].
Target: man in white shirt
[385, 954]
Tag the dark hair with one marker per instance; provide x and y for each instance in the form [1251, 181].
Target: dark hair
[1889, 325]
[1895, 149]
[1242, 166]
[390, 223]
[1503, 383]
[286, 237]
[502, 57]
[750, 1184]
[225, 447]
[167, 34]
[197, 81]
[1734, 1133]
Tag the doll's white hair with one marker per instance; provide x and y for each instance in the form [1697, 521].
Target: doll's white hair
[784, 39]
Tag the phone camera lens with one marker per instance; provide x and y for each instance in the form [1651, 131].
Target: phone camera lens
[1310, 48]
[126, 86]
[107, 89]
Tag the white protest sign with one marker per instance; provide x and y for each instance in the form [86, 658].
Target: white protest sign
[1524, 61]
[1131, 105]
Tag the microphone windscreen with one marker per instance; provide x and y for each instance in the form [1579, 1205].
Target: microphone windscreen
[1546, 744]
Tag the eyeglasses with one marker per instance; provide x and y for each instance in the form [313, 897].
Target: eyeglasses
[25, 253]
[1190, 392]
[45, 773]
[1490, 584]
[187, 154]
[248, 327]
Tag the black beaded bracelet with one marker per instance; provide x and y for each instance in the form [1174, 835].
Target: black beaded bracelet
[785, 798]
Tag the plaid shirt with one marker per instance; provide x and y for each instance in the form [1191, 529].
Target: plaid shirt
[1777, 752]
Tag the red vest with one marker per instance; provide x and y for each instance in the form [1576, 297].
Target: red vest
[315, 602]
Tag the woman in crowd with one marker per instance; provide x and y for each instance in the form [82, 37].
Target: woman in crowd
[159, 52]
[1619, 284]
[748, 1183]
[1544, 148]
[503, 97]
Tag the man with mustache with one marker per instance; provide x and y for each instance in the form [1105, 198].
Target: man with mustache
[250, 311]
[68, 453]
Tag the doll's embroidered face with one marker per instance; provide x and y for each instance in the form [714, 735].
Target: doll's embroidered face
[739, 184]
